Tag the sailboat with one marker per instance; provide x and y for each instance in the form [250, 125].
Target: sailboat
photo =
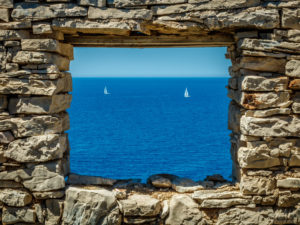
[186, 93]
[106, 91]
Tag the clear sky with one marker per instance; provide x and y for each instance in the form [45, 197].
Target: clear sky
[150, 62]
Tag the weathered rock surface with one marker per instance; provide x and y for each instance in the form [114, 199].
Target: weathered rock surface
[12, 35]
[37, 148]
[223, 203]
[257, 83]
[111, 13]
[96, 3]
[260, 100]
[292, 68]
[237, 216]
[14, 197]
[30, 57]
[83, 206]
[54, 211]
[183, 185]
[263, 64]
[39, 105]
[36, 125]
[48, 45]
[290, 18]
[281, 126]
[289, 183]
[257, 185]
[140, 205]
[161, 180]
[35, 87]
[268, 112]
[183, 211]
[12, 215]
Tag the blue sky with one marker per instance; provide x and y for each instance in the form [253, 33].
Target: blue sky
[150, 62]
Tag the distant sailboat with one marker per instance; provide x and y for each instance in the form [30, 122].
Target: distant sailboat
[106, 91]
[186, 94]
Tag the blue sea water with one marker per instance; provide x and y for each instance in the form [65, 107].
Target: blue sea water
[146, 126]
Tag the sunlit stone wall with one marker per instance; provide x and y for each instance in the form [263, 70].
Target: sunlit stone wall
[36, 46]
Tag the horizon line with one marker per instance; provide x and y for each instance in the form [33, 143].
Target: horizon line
[151, 76]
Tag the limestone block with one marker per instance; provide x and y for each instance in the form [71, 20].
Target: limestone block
[296, 104]
[39, 105]
[257, 185]
[202, 195]
[287, 216]
[48, 45]
[37, 148]
[15, 175]
[30, 57]
[292, 68]
[48, 194]
[88, 206]
[268, 112]
[295, 84]
[259, 83]
[289, 182]
[268, 46]
[54, 211]
[95, 27]
[184, 211]
[132, 3]
[13, 35]
[36, 125]
[7, 4]
[6, 137]
[96, 3]
[256, 158]
[42, 28]
[140, 205]
[280, 126]
[223, 203]
[90, 180]
[68, 10]
[39, 212]
[288, 200]
[112, 13]
[45, 177]
[11, 215]
[4, 15]
[14, 197]
[237, 216]
[263, 64]
[10, 184]
[260, 100]
[290, 18]
[15, 25]
[268, 19]
[207, 5]
[35, 12]
[35, 87]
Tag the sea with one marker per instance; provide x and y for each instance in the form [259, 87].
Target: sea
[145, 126]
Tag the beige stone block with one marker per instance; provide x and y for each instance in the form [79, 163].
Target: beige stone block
[42, 28]
[259, 83]
[257, 185]
[14, 197]
[290, 18]
[48, 45]
[289, 182]
[263, 64]
[4, 15]
[7, 4]
[96, 3]
[112, 13]
[267, 112]
[35, 87]
[292, 68]
[39, 105]
[37, 148]
[13, 35]
[30, 57]
[11, 215]
[276, 126]
[54, 211]
[132, 3]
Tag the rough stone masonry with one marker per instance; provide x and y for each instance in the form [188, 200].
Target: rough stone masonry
[36, 46]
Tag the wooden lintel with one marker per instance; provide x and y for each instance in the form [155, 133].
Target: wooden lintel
[151, 41]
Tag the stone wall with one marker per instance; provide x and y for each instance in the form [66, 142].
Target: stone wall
[36, 46]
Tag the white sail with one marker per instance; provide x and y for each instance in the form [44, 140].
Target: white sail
[106, 91]
[186, 94]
